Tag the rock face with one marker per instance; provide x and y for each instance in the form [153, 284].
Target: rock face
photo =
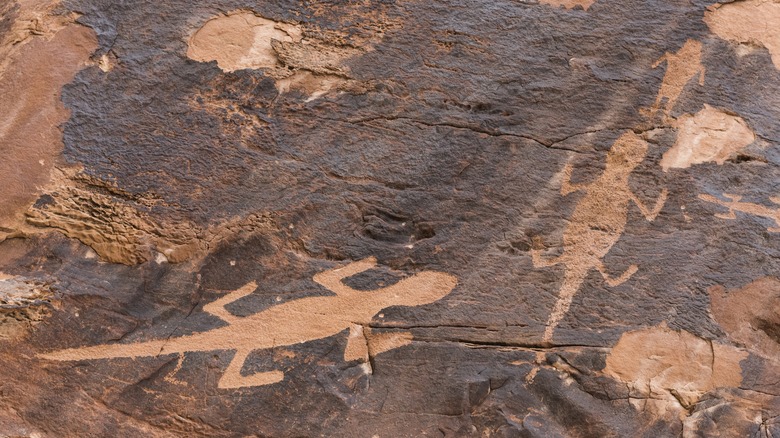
[389, 218]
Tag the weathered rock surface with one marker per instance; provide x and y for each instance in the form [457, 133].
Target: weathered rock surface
[390, 218]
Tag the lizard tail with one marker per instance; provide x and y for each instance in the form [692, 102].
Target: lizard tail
[571, 284]
[107, 351]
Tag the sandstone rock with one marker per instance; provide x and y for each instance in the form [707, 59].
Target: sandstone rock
[389, 218]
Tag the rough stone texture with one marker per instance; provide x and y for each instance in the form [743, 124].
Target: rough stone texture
[389, 218]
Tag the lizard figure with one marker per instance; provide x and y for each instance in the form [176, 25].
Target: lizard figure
[291, 323]
[733, 205]
[597, 223]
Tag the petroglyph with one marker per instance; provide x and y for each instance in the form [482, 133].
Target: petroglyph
[733, 204]
[241, 40]
[712, 135]
[753, 22]
[681, 67]
[569, 4]
[291, 323]
[597, 223]
[751, 315]
[669, 371]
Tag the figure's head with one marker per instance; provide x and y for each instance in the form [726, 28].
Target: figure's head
[628, 151]
[423, 288]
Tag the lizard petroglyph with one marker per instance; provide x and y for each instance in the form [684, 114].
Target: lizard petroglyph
[733, 205]
[597, 223]
[291, 323]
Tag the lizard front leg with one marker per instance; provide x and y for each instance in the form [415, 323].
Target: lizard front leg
[331, 279]
[232, 378]
[659, 204]
[217, 307]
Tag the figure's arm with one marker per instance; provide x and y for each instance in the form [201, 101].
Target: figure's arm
[566, 185]
[660, 60]
[217, 307]
[331, 279]
[659, 204]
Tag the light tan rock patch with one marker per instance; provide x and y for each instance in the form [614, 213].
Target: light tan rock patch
[711, 135]
[668, 371]
[243, 40]
[240, 40]
[23, 303]
[751, 315]
[41, 54]
[753, 22]
[569, 4]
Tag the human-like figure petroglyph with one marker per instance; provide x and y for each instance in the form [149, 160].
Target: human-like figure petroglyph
[734, 204]
[680, 68]
[597, 223]
[295, 322]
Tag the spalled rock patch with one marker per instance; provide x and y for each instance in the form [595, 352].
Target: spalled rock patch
[48, 57]
[23, 302]
[734, 413]
[711, 135]
[669, 371]
[243, 40]
[119, 226]
[751, 315]
[755, 23]
[240, 40]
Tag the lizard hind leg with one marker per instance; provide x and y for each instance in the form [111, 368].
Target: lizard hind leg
[232, 378]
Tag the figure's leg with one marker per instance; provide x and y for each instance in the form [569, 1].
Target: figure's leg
[331, 278]
[659, 204]
[217, 307]
[616, 281]
[232, 377]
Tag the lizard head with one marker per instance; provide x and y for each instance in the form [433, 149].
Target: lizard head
[422, 288]
[628, 151]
